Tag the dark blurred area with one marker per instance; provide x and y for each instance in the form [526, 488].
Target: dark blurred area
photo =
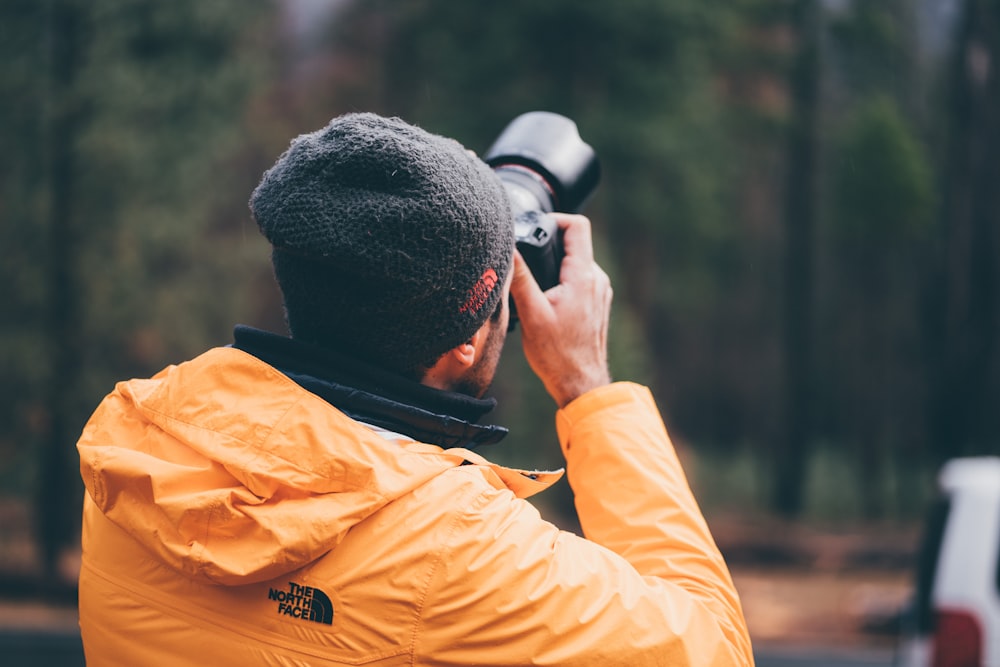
[799, 211]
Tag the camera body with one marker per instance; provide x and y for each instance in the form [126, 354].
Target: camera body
[545, 167]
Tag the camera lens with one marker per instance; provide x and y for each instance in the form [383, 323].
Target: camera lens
[549, 151]
[544, 166]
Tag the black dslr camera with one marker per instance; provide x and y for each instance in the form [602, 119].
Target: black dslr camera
[545, 166]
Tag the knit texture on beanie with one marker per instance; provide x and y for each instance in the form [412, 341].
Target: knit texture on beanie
[389, 243]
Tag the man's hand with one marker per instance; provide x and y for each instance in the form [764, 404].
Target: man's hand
[564, 330]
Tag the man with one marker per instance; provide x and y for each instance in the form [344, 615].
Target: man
[312, 500]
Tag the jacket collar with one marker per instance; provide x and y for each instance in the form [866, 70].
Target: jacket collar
[373, 395]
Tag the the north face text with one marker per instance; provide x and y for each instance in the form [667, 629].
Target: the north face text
[480, 292]
[305, 602]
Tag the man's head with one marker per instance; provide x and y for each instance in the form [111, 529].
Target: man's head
[390, 244]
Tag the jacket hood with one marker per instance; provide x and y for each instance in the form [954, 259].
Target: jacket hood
[228, 471]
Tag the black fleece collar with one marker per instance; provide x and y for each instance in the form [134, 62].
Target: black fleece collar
[375, 396]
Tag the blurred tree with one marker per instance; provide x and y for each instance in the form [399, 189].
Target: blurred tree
[128, 120]
[883, 199]
[870, 251]
[38, 328]
[40, 346]
[791, 453]
[67, 34]
[874, 246]
[966, 387]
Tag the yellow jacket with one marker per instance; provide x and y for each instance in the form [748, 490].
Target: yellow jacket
[234, 518]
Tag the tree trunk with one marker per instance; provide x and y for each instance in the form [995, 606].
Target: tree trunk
[966, 387]
[791, 452]
[56, 494]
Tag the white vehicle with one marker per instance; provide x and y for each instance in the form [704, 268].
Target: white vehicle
[954, 620]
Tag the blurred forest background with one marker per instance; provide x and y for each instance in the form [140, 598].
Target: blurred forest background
[799, 211]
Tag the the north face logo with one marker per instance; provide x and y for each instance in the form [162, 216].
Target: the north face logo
[305, 602]
[480, 292]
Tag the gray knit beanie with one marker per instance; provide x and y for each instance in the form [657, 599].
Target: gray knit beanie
[389, 243]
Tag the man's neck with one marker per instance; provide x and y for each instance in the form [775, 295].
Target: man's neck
[373, 395]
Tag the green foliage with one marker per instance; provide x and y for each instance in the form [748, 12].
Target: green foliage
[23, 354]
[874, 372]
[883, 192]
[169, 83]
[161, 251]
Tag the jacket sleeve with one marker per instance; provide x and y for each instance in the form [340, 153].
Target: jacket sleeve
[646, 587]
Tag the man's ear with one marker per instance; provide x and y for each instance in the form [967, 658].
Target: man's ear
[468, 352]
[464, 354]
[456, 361]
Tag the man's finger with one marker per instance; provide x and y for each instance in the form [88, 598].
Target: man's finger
[525, 290]
[577, 239]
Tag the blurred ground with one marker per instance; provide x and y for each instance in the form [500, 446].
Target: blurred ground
[803, 585]
[800, 585]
